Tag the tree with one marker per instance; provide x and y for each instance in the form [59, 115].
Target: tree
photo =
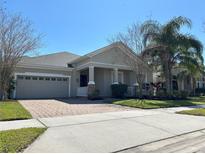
[17, 38]
[193, 68]
[133, 39]
[167, 46]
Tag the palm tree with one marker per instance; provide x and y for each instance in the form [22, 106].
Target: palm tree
[167, 46]
[193, 69]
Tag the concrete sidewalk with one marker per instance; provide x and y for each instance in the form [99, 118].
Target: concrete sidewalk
[87, 118]
[111, 132]
[8, 125]
[176, 109]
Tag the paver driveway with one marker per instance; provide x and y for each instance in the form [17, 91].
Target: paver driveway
[54, 108]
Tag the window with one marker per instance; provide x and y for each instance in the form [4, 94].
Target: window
[34, 78]
[174, 85]
[28, 78]
[41, 78]
[65, 79]
[20, 77]
[83, 80]
[120, 77]
[174, 77]
[59, 79]
[146, 86]
[174, 82]
[47, 79]
[197, 84]
[188, 80]
[53, 79]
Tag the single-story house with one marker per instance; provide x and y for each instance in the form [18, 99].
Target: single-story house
[65, 74]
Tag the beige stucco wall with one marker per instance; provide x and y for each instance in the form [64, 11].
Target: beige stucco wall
[75, 82]
[103, 79]
[112, 56]
[118, 58]
[82, 62]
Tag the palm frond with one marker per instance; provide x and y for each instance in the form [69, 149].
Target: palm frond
[176, 23]
[150, 30]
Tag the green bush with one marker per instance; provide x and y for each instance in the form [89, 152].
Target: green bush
[161, 93]
[176, 94]
[119, 90]
[180, 94]
[95, 95]
[184, 94]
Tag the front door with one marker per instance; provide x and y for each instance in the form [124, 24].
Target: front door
[83, 80]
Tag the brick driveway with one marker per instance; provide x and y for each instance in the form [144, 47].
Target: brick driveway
[54, 108]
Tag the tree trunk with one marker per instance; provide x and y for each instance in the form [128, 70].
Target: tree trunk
[168, 78]
[140, 90]
[194, 86]
[167, 68]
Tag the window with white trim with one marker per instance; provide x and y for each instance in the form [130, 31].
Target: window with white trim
[120, 77]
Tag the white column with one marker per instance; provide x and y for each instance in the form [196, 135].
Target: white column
[136, 83]
[91, 75]
[115, 76]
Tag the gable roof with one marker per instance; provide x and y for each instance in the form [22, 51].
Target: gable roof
[62, 59]
[56, 59]
[96, 52]
[120, 45]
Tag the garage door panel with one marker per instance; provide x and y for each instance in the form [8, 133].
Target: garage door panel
[42, 88]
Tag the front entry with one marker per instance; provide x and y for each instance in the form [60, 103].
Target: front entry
[83, 80]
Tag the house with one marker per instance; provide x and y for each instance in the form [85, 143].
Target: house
[64, 74]
[183, 83]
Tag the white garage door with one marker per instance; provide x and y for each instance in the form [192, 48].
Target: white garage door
[28, 87]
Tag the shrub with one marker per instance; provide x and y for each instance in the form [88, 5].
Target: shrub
[176, 94]
[95, 95]
[184, 94]
[161, 93]
[11, 87]
[200, 91]
[180, 94]
[119, 90]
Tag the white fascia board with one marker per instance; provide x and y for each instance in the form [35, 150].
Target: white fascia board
[104, 65]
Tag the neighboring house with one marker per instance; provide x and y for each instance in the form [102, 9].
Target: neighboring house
[179, 83]
[200, 83]
[65, 74]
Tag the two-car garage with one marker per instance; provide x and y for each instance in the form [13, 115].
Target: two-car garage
[42, 86]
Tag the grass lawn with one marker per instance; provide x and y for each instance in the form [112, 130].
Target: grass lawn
[17, 140]
[12, 110]
[196, 112]
[153, 104]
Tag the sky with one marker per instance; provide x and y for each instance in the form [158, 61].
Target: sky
[82, 26]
